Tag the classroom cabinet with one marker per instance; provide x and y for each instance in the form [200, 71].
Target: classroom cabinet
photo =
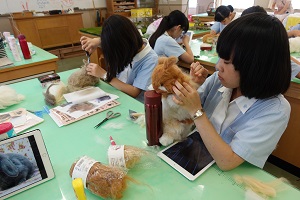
[120, 7]
[49, 31]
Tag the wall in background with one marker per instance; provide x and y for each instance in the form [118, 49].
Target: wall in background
[88, 17]
[8, 6]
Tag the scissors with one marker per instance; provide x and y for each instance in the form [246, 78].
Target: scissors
[88, 56]
[109, 115]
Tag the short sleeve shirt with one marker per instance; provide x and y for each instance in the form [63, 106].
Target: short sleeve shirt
[167, 46]
[140, 74]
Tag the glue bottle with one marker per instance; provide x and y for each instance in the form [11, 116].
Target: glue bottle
[24, 46]
[153, 117]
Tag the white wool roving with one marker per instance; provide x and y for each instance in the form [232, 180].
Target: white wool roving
[9, 97]
[294, 44]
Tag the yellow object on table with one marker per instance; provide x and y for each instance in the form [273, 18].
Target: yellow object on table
[292, 21]
[78, 187]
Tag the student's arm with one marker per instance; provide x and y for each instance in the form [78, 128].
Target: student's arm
[97, 71]
[90, 44]
[126, 88]
[222, 153]
[295, 67]
[284, 9]
[188, 56]
[273, 7]
[293, 33]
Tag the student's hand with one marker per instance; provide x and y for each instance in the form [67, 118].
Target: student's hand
[198, 73]
[186, 40]
[95, 70]
[89, 44]
[187, 97]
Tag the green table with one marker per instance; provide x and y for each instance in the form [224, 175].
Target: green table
[206, 58]
[68, 143]
[42, 62]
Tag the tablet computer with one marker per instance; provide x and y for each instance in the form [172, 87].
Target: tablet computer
[189, 33]
[24, 163]
[189, 157]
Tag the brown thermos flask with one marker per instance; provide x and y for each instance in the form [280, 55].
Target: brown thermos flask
[153, 116]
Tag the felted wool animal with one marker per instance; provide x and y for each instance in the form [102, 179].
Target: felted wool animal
[294, 44]
[80, 79]
[14, 169]
[209, 38]
[177, 122]
[9, 97]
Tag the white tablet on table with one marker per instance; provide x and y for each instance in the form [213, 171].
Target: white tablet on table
[189, 157]
[24, 163]
[189, 33]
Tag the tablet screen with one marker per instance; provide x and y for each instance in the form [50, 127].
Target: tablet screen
[190, 157]
[22, 164]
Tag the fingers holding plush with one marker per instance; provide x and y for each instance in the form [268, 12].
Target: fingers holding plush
[198, 73]
[186, 96]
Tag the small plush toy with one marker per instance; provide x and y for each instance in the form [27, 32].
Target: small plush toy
[80, 79]
[177, 122]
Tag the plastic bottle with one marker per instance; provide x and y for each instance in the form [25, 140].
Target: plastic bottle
[24, 46]
[2, 49]
[6, 131]
[14, 48]
[153, 117]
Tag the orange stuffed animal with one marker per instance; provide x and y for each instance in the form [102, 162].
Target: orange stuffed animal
[177, 122]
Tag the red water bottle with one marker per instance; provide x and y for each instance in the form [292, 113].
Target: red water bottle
[24, 46]
[153, 116]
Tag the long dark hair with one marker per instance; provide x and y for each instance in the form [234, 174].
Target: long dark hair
[223, 12]
[175, 18]
[258, 46]
[120, 42]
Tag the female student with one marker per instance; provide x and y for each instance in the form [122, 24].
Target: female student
[284, 8]
[241, 112]
[170, 28]
[223, 16]
[128, 58]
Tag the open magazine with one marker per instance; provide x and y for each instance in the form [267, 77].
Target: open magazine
[82, 104]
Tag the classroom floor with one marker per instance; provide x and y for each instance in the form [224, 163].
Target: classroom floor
[76, 62]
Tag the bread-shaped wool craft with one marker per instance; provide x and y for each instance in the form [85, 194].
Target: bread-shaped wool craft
[177, 122]
[125, 156]
[80, 79]
[102, 180]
